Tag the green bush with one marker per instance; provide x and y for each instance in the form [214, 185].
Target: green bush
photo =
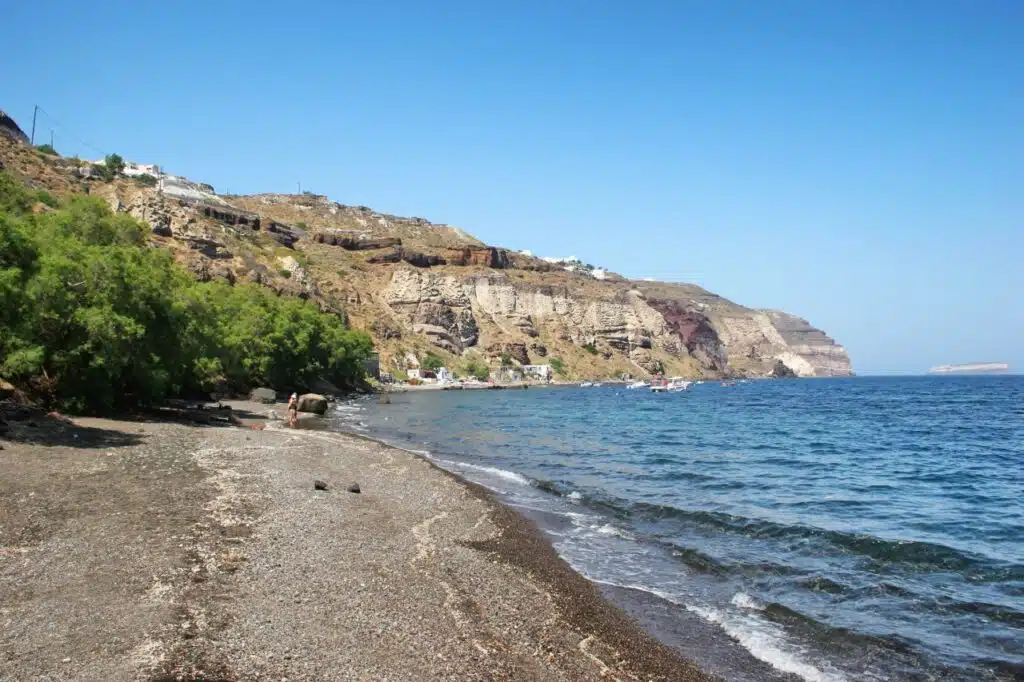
[112, 166]
[287, 274]
[590, 348]
[558, 365]
[432, 363]
[474, 366]
[47, 149]
[146, 180]
[92, 319]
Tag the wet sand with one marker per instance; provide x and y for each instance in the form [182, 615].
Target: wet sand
[164, 551]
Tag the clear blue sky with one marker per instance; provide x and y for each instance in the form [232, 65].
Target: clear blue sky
[859, 162]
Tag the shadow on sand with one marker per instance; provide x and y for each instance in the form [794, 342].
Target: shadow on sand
[29, 426]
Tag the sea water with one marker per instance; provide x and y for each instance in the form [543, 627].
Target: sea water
[855, 529]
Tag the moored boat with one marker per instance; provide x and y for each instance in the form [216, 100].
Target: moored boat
[676, 384]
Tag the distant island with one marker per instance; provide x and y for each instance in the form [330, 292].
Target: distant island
[971, 368]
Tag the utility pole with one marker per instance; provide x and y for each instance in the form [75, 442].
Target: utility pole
[34, 112]
[51, 138]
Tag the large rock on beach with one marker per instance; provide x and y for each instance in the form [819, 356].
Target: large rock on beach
[267, 396]
[313, 402]
[7, 389]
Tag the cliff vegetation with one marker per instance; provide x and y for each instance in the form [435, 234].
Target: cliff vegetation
[92, 318]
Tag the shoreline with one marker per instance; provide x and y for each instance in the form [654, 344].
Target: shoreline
[184, 552]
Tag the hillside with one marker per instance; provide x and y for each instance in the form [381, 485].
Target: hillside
[420, 287]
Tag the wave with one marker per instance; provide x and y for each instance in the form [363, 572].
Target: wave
[915, 553]
[762, 639]
[768, 645]
[503, 474]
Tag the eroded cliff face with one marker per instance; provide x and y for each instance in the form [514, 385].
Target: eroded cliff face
[817, 349]
[416, 285]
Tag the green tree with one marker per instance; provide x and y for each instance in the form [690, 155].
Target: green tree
[47, 149]
[93, 319]
[113, 165]
[432, 362]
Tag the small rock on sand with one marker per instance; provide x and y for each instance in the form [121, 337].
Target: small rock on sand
[354, 488]
[319, 485]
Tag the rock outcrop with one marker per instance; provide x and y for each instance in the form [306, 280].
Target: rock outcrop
[484, 256]
[415, 258]
[820, 351]
[352, 242]
[437, 306]
[313, 402]
[623, 322]
[8, 128]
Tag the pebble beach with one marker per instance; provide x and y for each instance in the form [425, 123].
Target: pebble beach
[155, 550]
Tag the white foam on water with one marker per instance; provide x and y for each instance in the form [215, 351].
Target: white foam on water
[765, 641]
[575, 496]
[493, 471]
[745, 601]
[609, 529]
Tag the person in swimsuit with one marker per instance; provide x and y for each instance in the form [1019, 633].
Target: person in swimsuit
[293, 410]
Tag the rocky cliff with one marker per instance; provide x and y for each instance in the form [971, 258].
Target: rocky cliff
[420, 287]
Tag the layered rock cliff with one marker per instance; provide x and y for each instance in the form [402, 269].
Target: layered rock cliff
[419, 287]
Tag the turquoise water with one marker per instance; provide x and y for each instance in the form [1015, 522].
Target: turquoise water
[858, 529]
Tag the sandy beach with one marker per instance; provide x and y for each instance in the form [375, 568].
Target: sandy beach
[153, 550]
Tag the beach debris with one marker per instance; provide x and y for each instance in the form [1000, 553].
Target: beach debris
[354, 488]
[257, 427]
[319, 485]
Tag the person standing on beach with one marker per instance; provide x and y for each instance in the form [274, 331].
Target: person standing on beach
[293, 410]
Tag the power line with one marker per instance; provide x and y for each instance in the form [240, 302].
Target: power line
[62, 127]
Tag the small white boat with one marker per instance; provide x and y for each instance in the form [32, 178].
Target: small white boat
[676, 384]
[637, 384]
[598, 384]
[586, 384]
[659, 386]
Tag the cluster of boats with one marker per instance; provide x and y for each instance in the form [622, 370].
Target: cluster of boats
[670, 385]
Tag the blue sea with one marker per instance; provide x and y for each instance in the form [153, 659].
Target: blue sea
[834, 529]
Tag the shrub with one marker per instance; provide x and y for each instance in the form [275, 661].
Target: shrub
[112, 166]
[93, 319]
[285, 273]
[590, 348]
[47, 149]
[558, 365]
[432, 363]
[474, 366]
[146, 180]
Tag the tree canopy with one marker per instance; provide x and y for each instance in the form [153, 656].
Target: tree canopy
[91, 318]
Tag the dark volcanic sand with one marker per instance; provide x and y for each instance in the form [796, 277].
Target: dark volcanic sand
[163, 551]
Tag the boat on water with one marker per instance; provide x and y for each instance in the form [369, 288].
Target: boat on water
[676, 384]
[728, 383]
[598, 384]
[586, 384]
[637, 384]
[659, 386]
